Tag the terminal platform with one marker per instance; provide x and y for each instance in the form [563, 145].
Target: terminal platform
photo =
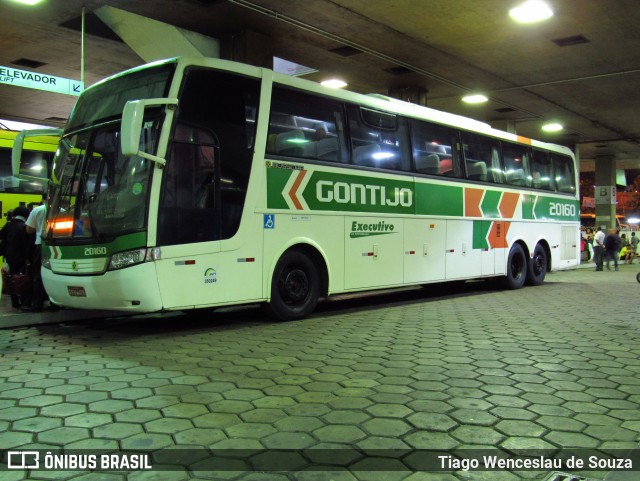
[373, 385]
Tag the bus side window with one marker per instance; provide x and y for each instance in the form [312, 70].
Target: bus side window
[434, 151]
[482, 158]
[307, 126]
[516, 165]
[541, 171]
[563, 173]
[378, 139]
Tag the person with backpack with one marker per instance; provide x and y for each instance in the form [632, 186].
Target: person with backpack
[612, 245]
[16, 248]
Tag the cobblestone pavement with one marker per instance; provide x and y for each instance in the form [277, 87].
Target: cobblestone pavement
[547, 367]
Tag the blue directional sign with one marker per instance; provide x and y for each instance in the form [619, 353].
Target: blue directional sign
[39, 81]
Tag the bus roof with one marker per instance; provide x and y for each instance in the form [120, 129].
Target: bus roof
[378, 101]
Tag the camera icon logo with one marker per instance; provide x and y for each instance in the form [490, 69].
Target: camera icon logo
[23, 460]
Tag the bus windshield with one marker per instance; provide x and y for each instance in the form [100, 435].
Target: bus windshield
[96, 192]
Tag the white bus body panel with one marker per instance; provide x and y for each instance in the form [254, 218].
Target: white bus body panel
[111, 290]
[424, 255]
[374, 259]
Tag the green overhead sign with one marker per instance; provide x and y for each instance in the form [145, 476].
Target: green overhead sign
[33, 80]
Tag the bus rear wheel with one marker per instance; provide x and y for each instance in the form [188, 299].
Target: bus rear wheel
[537, 267]
[295, 287]
[516, 268]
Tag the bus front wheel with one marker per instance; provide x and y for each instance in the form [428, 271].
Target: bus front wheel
[537, 266]
[516, 268]
[295, 287]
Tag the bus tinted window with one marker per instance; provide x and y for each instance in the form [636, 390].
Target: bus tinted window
[434, 149]
[33, 164]
[541, 171]
[481, 158]
[303, 125]
[378, 139]
[516, 165]
[564, 174]
[207, 172]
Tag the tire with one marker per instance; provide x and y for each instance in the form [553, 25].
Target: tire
[537, 269]
[295, 287]
[516, 268]
[638, 277]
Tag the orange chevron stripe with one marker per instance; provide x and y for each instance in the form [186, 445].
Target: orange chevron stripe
[498, 235]
[524, 140]
[508, 204]
[472, 198]
[294, 188]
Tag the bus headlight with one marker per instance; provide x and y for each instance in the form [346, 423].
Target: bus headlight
[127, 258]
[46, 263]
[133, 257]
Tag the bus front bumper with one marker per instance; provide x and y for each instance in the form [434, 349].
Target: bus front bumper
[133, 289]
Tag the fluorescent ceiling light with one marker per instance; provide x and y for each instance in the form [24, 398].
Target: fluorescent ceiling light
[531, 11]
[28, 2]
[334, 83]
[552, 127]
[474, 99]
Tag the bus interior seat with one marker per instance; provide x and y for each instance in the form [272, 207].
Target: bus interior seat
[327, 149]
[516, 177]
[446, 167]
[476, 170]
[290, 143]
[364, 155]
[428, 164]
[310, 150]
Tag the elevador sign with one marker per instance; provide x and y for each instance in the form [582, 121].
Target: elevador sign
[39, 81]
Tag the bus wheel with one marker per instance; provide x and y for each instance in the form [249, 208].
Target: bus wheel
[516, 268]
[537, 267]
[295, 287]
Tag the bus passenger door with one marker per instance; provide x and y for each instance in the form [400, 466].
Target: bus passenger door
[189, 222]
[424, 257]
[463, 261]
[373, 252]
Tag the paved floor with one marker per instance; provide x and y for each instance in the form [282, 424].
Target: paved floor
[362, 382]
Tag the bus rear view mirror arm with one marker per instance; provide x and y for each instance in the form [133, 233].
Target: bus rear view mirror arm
[131, 127]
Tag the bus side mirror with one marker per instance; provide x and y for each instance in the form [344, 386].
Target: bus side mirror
[131, 127]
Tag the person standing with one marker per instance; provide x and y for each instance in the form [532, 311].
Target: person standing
[633, 242]
[598, 248]
[35, 224]
[612, 245]
[17, 246]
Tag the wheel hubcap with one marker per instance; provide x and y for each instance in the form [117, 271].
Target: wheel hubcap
[538, 264]
[295, 285]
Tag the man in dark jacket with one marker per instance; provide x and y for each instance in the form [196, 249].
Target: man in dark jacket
[17, 246]
[612, 245]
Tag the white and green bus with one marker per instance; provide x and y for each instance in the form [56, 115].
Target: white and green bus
[193, 183]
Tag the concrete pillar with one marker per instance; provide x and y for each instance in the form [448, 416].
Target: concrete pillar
[504, 125]
[248, 47]
[410, 93]
[605, 191]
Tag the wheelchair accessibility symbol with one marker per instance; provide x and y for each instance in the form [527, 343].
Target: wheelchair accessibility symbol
[269, 221]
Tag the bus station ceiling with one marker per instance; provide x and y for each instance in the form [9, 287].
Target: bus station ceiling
[581, 67]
